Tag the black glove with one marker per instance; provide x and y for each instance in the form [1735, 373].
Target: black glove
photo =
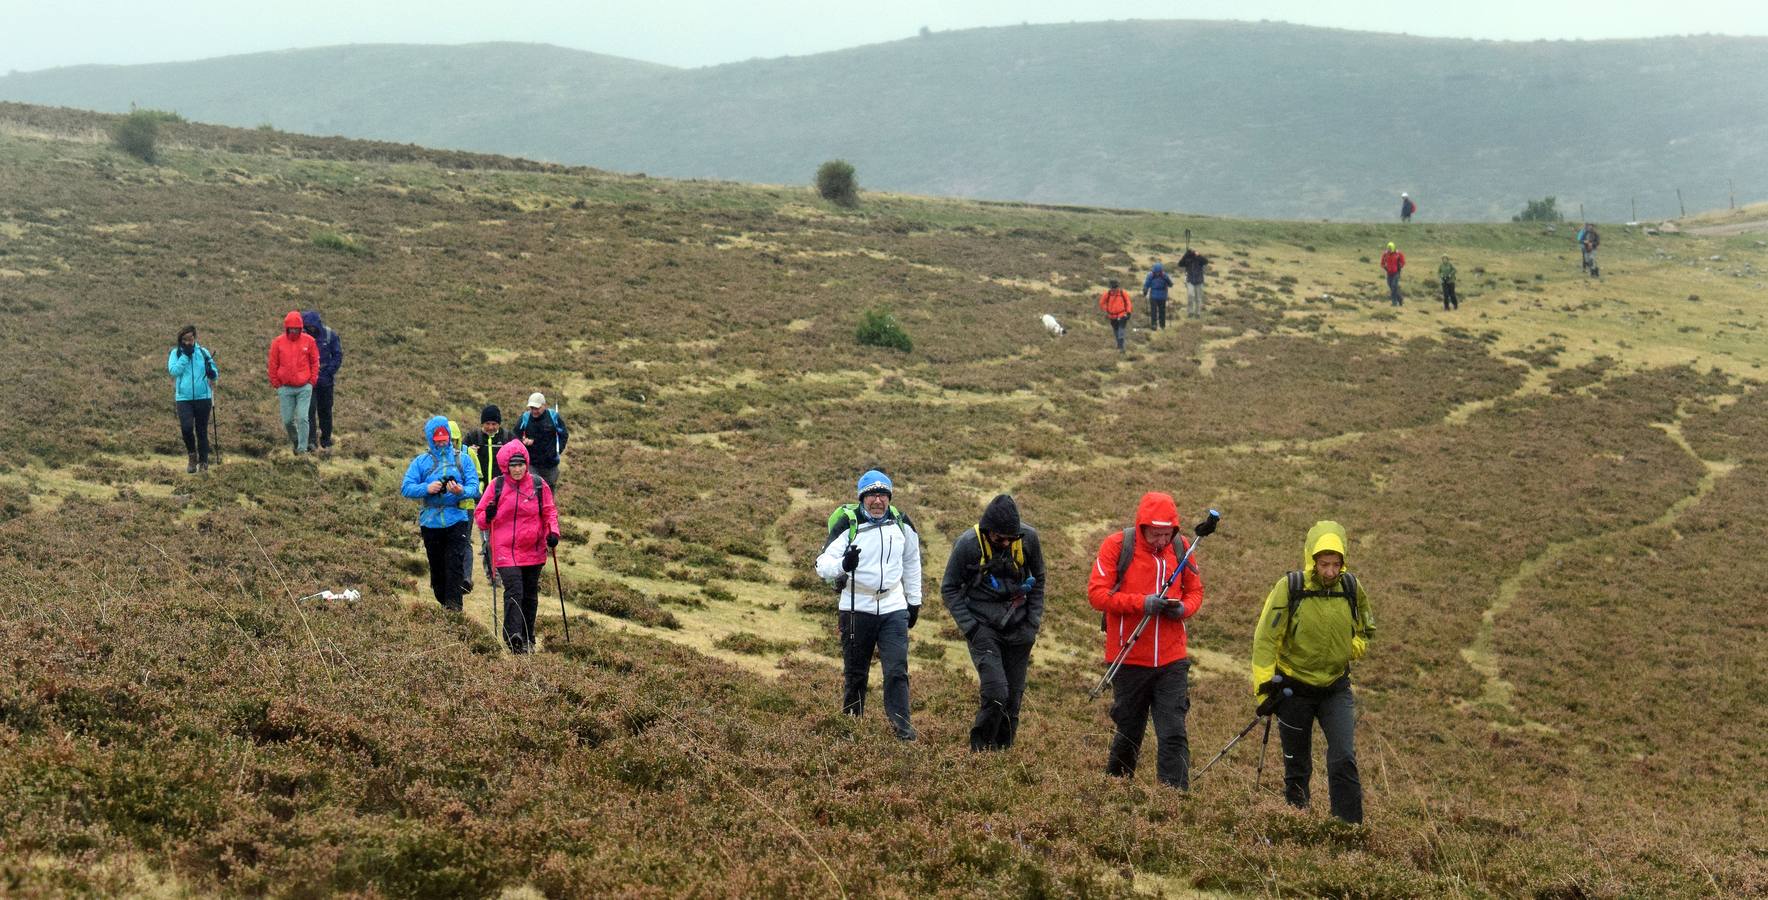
[1152, 604]
[914, 615]
[1174, 611]
[552, 540]
[850, 559]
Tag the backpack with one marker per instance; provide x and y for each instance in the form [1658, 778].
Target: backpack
[850, 513]
[497, 494]
[551, 414]
[1126, 550]
[1298, 591]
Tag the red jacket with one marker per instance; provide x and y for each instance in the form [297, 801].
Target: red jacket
[1393, 261]
[1163, 641]
[518, 534]
[293, 363]
[1115, 303]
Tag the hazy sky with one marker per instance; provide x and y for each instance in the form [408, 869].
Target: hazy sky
[39, 34]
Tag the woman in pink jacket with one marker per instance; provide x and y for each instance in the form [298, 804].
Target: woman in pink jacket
[517, 511]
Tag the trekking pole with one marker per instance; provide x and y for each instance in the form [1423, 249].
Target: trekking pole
[215, 428]
[1243, 732]
[1259, 774]
[1187, 239]
[1203, 529]
[560, 584]
[1267, 710]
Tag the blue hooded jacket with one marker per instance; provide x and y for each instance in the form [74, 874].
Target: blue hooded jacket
[191, 374]
[331, 350]
[1155, 286]
[441, 510]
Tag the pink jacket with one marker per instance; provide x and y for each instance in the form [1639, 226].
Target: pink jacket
[518, 533]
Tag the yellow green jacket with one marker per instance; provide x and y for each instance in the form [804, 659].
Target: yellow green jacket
[467, 462]
[1325, 640]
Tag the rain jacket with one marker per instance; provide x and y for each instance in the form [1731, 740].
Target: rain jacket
[1392, 262]
[294, 362]
[1157, 283]
[191, 374]
[466, 457]
[549, 434]
[1163, 641]
[440, 510]
[331, 350]
[889, 575]
[993, 591]
[1116, 304]
[523, 518]
[1446, 272]
[1325, 641]
[1193, 262]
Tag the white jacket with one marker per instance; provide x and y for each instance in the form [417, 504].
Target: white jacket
[889, 575]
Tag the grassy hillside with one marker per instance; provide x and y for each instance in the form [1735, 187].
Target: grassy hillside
[1553, 496]
[1251, 119]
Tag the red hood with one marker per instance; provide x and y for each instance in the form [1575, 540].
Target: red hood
[1156, 508]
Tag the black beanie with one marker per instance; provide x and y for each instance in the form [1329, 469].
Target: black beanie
[490, 414]
[1001, 516]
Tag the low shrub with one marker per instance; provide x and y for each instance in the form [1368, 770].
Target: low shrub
[138, 135]
[835, 183]
[879, 328]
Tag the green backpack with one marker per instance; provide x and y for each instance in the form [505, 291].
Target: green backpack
[849, 513]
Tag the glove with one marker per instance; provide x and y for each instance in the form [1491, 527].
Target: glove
[1152, 604]
[1274, 700]
[914, 615]
[1174, 611]
[552, 540]
[850, 559]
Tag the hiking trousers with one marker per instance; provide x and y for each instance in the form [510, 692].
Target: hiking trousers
[888, 636]
[1335, 708]
[548, 474]
[193, 424]
[466, 559]
[443, 547]
[294, 402]
[319, 416]
[521, 603]
[1164, 692]
[1118, 327]
[1450, 301]
[1156, 313]
[1393, 289]
[1000, 676]
[1193, 299]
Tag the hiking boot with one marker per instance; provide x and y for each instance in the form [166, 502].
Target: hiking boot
[191, 468]
[907, 734]
[202, 466]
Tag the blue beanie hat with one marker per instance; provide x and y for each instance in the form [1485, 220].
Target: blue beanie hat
[874, 480]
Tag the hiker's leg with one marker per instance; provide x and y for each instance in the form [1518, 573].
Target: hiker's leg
[285, 399]
[1132, 691]
[1015, 660]
[453, 549]
[515, 609]
[991, 688]
[466, 558]
[1118, 327]
[322, 404]
[200, 410]
[303, 402]
[1338, 720]
[187, 423]
[1295, 730]
[548, 474]
[893, 655]
[858, 640]
[530, 578]
[436, 551]
[1171, 702]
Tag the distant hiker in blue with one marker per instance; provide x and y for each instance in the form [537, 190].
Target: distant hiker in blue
[544, 433]
[331, 356]
[441, 478]
[192, 368]
[1407, 208]
[1154, 287]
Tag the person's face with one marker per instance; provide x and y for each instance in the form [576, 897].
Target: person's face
[518, 466]
[1327, 565]
[1157, 536]
[877, 503]
[999, 541]
[187, 340]
[292, 333]
[535, 412]
[491, 427]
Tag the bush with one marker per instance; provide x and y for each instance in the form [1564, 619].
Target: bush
[139, 134]
[1545, 209]
[332, 240]
[836, 184]
[878, 328]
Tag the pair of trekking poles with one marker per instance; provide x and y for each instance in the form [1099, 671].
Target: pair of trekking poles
[558, 584]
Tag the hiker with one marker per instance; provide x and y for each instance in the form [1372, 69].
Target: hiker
[1446, 276]
[482, 446]
[1315, 622]
[1155, 674]
[1154, 287]
[331, 356]
[466, 535]
[544, 434]
[1193, 263]
[873, 557]
[1407, 208]
[193, 372]
[1588, 241]
[1117, 307]
[1392, 262]
[522, 523]
[294, 369]
[440, 479]
[994, 588]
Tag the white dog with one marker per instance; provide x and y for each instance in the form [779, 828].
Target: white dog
[1052, 326]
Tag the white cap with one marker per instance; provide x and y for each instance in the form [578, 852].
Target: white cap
[537, 400]
[1402, 193]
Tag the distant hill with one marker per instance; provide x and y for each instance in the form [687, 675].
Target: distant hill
[1216, 117]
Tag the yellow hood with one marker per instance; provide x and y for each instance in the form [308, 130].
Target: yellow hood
[1325, 535]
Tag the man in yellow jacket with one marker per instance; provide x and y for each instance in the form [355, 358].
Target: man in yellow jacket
[1315, 622]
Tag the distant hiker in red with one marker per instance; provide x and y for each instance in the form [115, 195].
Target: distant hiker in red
[1392, 262]
[1155, 676]
[1116, 304]
[518, 514]
[294, 370]
[1407, 208]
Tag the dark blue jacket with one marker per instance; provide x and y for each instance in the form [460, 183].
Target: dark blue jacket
[549, 436]
[331, 350]
[1156, 284]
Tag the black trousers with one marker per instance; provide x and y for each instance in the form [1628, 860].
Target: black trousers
[1000, 673]
[1450, 301]
[1335, 708]
[444, 547]
[521, 603]
[1156, 312]
[193, 423]
[888, 636]
[1164, 692]
[319, 416]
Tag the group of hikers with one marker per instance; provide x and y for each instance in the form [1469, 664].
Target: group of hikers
[1313, 624]
[1118, 308]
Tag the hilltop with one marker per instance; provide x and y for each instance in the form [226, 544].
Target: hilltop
[1247, 119]
[1553, 497]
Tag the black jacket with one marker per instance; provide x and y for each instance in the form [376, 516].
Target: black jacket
[992, 596]
[1193, 262]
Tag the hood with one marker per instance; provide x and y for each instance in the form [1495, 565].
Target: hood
[293, 320]
[1390, 246]
[310, 320]
[1001, 516]
[1159, 268]
[1157, 508]
[454, 433]
[508, 452]
[1325, 535]
[430, 427]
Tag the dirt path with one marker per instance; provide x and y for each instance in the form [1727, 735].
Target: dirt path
[1731, 228]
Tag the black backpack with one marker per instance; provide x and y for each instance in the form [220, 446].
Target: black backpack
[497, 494]
[1298, 591]
[1126, 550]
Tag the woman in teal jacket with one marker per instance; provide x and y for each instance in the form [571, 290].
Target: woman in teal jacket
[192, 368]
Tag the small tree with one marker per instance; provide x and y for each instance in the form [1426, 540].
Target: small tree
[836, 184]
[878, 328]
[1545, 209]
[139, 134]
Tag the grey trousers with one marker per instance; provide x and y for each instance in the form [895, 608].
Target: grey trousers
[1335, 708]
[1193, 299]
[294, 402]
[1164, 691]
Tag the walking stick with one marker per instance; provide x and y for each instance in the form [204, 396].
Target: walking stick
[1203, 529]
[1243, 732]
[560, 584]
[1259, 778]
[215, 427]
[1266, 712]
[1187, 239]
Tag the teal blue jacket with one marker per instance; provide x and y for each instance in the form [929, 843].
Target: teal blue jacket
[191, 374]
